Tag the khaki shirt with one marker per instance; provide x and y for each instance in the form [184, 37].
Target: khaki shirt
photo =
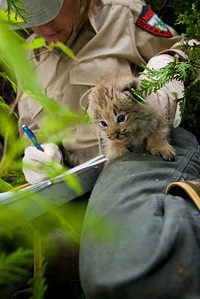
[110, 42]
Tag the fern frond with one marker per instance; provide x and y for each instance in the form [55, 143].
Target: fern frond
[13, 267]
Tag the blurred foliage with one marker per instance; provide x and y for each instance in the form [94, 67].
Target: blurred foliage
[18, 66]
[169, 10]
[184, 16]
[15, 258]
[21, 278]
[15, 13]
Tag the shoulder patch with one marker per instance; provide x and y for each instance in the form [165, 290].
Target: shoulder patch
[149, 21]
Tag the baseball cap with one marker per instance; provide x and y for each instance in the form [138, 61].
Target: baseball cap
[40, 12]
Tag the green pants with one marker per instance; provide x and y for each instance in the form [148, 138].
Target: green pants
[137, 242]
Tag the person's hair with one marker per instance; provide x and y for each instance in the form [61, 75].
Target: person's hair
[86, 8]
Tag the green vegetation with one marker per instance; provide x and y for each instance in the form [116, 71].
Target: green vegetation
[22, 257]
[186, 17]
[16, 260]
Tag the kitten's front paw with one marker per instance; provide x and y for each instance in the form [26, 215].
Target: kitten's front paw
[167, 152]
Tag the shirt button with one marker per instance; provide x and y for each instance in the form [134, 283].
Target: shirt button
[82, 153]
[60, 96]
[73, 130]
[31, 112]
[63, 60]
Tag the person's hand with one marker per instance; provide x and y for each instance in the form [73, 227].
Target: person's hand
[38, 165]
[168, 95]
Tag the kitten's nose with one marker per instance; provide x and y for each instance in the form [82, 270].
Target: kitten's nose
[113, 136]
[116, 135]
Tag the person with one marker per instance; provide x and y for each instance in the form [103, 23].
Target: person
[101, 46]
[137, 240]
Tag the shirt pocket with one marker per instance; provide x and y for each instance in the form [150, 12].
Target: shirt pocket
[35, 107]
[91, 71]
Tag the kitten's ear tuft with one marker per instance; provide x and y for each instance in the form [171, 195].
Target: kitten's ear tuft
[84, 100]
[134, 92]
[134, 84]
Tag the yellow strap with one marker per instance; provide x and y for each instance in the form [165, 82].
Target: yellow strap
[192, 188]
[20, 187]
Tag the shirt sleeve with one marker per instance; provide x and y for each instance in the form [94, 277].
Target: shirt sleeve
[129, 29]
[149, 33]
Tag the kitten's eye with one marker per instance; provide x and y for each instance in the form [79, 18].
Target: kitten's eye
[103, 123]
[121, 118]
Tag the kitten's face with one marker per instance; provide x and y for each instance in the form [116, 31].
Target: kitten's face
[124, 122]
[111, 107]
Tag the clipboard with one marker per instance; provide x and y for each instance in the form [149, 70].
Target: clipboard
[31, 201]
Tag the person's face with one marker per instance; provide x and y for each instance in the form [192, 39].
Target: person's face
[60, 28]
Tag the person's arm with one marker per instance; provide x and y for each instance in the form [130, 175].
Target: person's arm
[137, 241]
[158, 44]
[169, 95]
[150, 34]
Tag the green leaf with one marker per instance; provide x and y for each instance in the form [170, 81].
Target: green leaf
[10, 18]
[24, 71]
[135, 95]
[38, 42]
[66, 50]
[4, 186]
[7, 78]
[13, 266]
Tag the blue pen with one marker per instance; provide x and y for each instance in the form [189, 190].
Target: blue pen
[32, 137]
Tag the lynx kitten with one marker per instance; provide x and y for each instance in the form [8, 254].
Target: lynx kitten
[123, 123]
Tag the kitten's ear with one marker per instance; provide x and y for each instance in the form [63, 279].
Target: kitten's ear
[134, 84]
[84, 100]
